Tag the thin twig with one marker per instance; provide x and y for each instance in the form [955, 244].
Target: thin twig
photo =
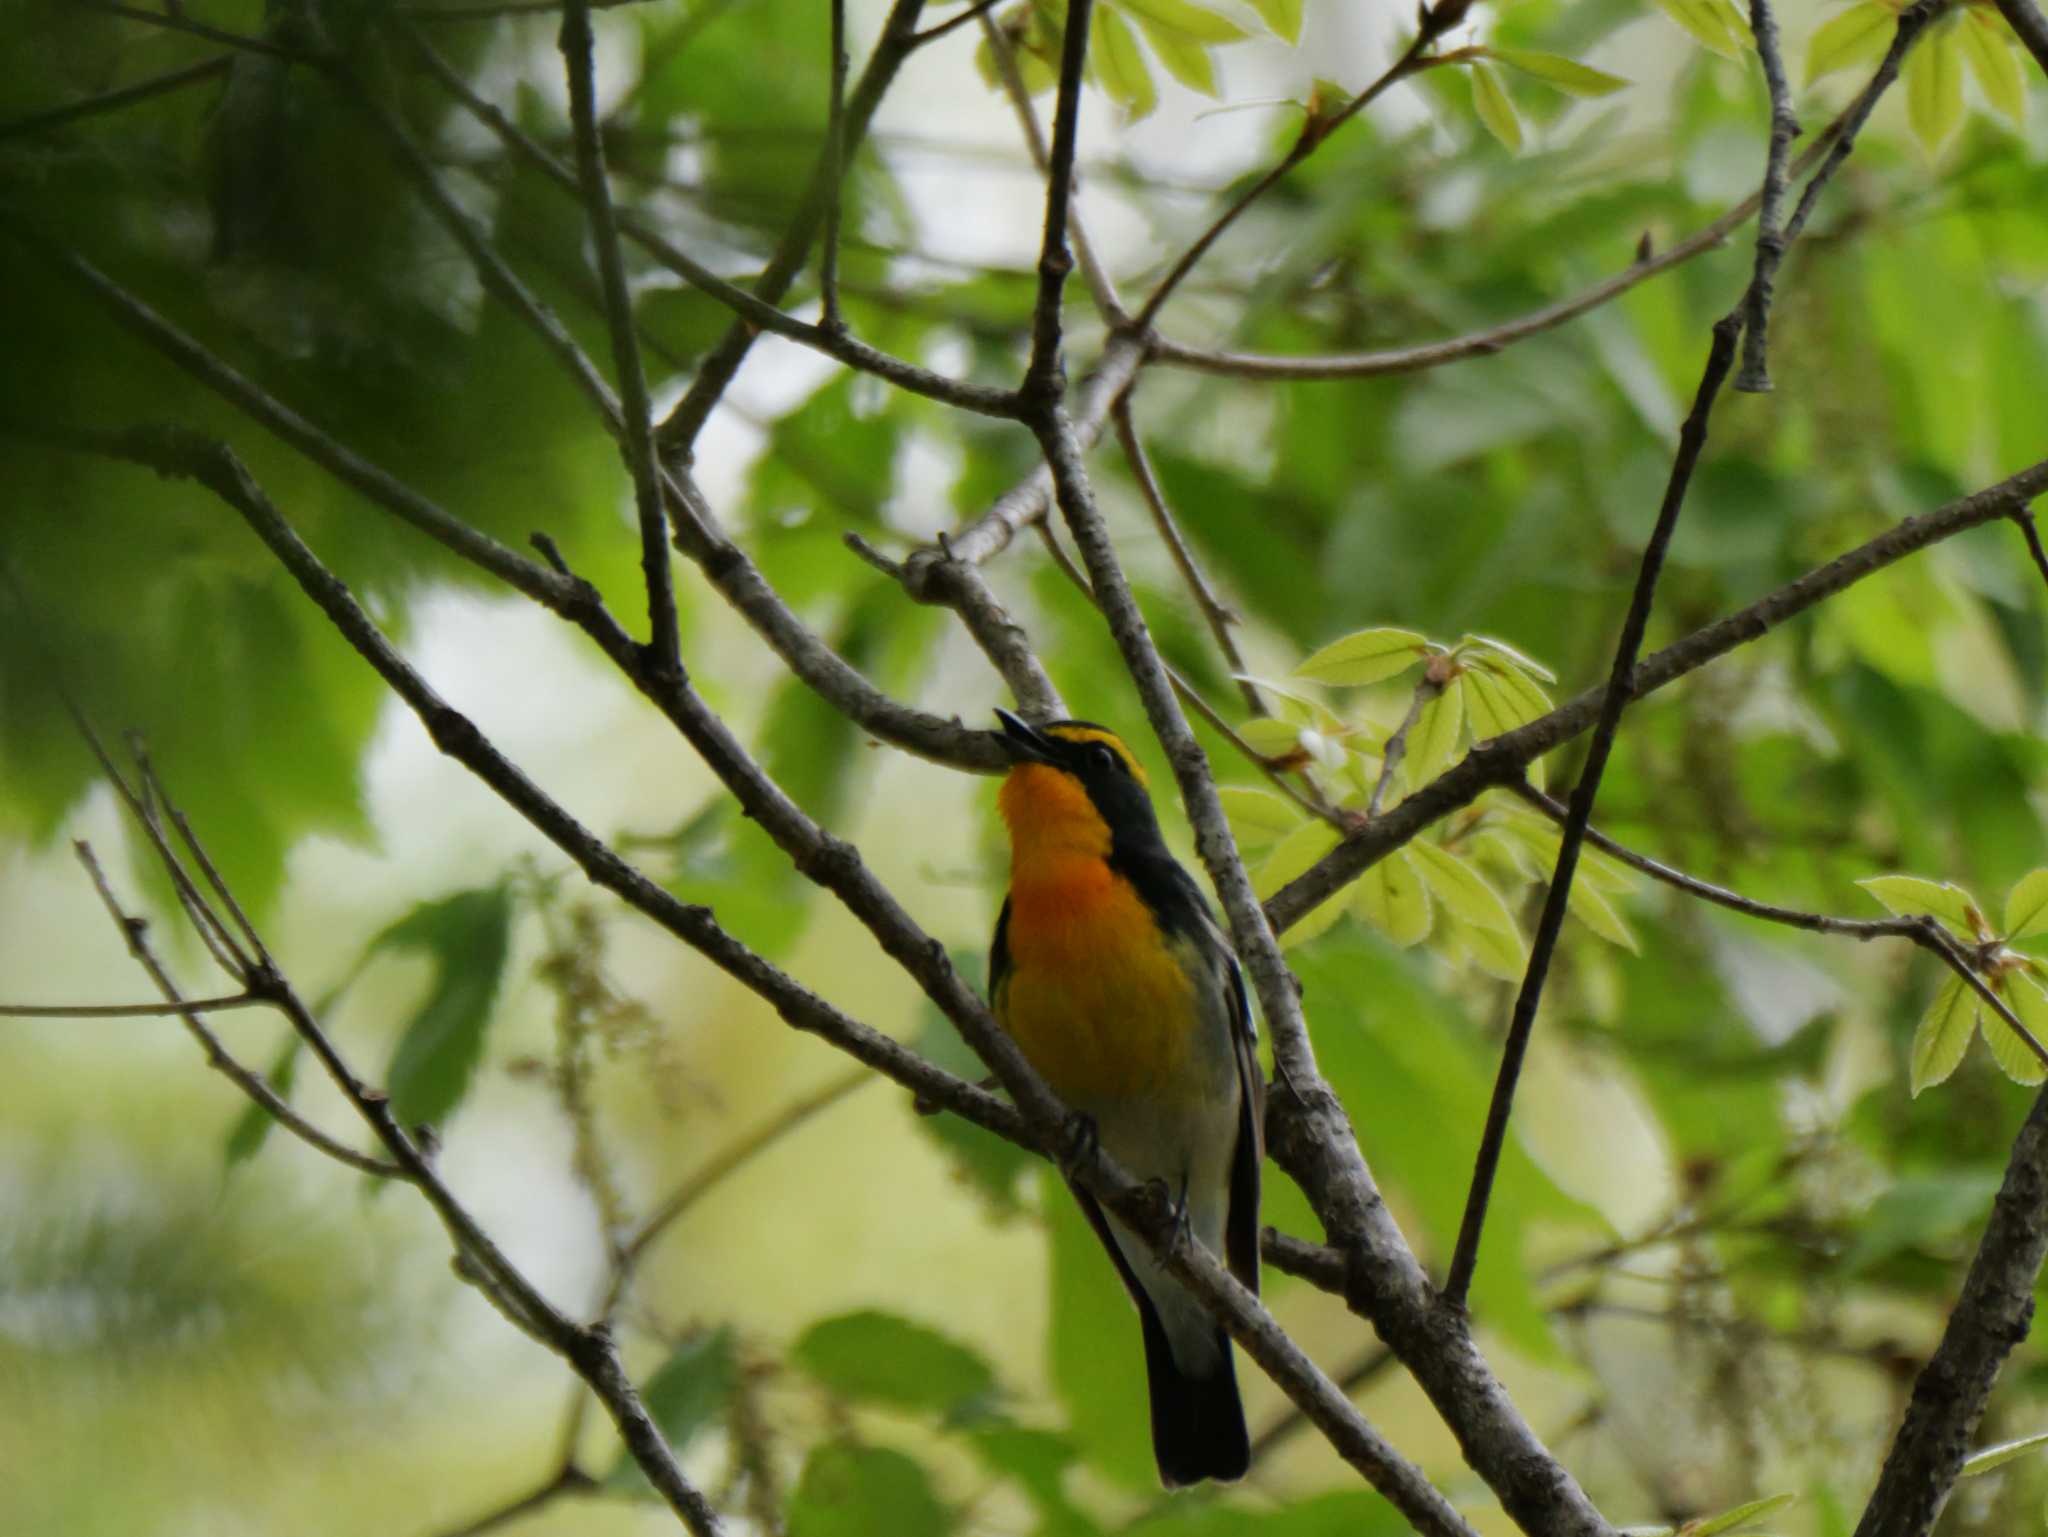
[1493, 1139]
[130, 1010]
[1434, 21]
[1754, 377]
[568, 1479]
[1218, 617]
[938, 30]
[1912, 22]
[1101, 287]
[177, 22]
[113, 101]
[218, 1057]
[835, 176]
[2025, 519]
[1045, 376]
[1922, 930]
[637, 425]
[1426, 689]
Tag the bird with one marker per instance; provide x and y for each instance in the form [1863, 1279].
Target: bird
[1113, 978]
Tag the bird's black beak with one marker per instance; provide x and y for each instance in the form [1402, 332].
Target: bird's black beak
[1027, 744]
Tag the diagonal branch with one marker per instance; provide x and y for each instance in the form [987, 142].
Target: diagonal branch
[2029, 25]
[1045, 376]
[1692, 438]
[113, 101]
[1755, 374]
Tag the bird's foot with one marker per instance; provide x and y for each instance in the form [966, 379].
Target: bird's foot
[1084, 1141]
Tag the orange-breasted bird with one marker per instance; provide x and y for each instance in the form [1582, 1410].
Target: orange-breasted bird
[1121, 990]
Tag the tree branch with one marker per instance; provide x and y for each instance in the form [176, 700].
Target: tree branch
[637, 425]
[1755, 375]
[1045, 377]
[1990, 1318]
[2029, 26]
[113, 101]
[1499, 762]
[1493, 1139]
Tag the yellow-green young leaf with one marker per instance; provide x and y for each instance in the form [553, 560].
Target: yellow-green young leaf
[1391, 897]
[1463, 891]
[1283, 16]
[1433, 739]
[1741, 1515]
[1485, 651]
[1997, 1456]
[1714, 24]
[1934, 88]
[1943, 1035]
[1496, 108]
[1568, 75]
[1907, 896]
[1186, 58]
[2015, 1058]
[1258, 817]
[2026, 906]
[1857, 36]
[1183, 16]
[1120, 64]
[1497, 952]
[1518, 687]
[1366, 656]
[1273, 736]
[1591, 908]
[1291, 857]
[1987, 44]
[1491, 710]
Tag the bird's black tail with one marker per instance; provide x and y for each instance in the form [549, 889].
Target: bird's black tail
[1197, 1422]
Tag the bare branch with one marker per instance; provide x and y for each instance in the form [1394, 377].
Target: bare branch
[218, 1057]
[181, 1007]
[113, 101]
[835, 176]
[1990, 1318]
[1045, 376]
[637, 424]
[2029, 25]
[1755, 375]
[177, 22]
[1493, 1139]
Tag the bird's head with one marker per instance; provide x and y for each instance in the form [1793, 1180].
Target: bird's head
[1075, 790]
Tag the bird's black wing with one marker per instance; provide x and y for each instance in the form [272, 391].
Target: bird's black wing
[999, 957]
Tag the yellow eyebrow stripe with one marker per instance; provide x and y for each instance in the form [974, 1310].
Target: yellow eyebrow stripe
[1108, 739]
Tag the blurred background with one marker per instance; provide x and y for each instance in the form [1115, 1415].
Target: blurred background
[1728, 1230]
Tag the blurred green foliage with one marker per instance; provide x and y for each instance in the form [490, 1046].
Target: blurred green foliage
[1722, 1152]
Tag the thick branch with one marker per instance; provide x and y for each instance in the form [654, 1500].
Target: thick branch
[2029, 25]
[1990, 1318]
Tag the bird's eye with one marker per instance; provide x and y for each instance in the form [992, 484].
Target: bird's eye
[1102, 760]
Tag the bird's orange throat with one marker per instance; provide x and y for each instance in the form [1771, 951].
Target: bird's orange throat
[1053, 824]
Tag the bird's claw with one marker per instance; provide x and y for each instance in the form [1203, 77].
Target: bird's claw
[1084, 1140]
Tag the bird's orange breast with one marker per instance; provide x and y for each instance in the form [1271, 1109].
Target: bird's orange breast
[1097, 997]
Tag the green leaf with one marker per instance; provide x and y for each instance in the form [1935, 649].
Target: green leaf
[1496, 108]
[1463, 891]
[1934, 87]
[1258, 817]
[1497, 952]
[2026, 905]
[465, 937]
[684, 1395]
[1943, 1035]
[1568, 75]
[883, 1358]
[1393, 899]
[1186, 58]
[1274, 737]
[1591, 907]
[1858, 36]
[1185, 17]
[1714, 24]
[1741, 1515]
[1498, 655]
[1998, 1456]
[1987, 44]
[857, 1491]
[1290, 858]
[1908, 896]
[1365, 656]
[1434, 738]
[1120, 64]
[2023, 993]
[1283, 16]
[252, 1126]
